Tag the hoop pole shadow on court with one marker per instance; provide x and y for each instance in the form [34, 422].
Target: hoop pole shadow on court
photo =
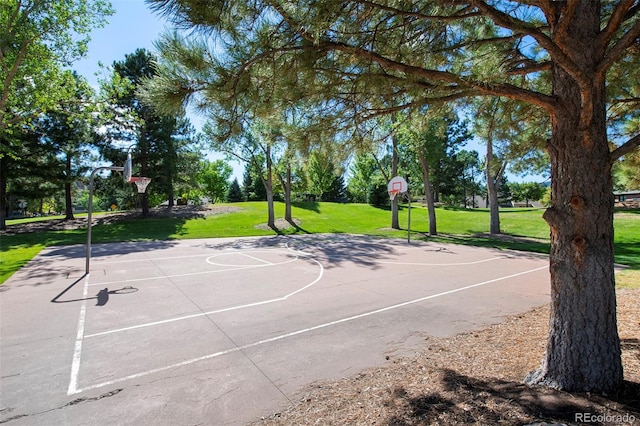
[102, 296]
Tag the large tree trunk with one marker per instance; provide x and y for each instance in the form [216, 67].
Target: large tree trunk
[268, 186]
[68, 201]
[428, 193]
[4, 178]
[492, 187]
[171, 198]
[583, 348]
[143, 146]
[287, 195]
[286, 186]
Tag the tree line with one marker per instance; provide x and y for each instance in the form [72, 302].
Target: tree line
[102, 127]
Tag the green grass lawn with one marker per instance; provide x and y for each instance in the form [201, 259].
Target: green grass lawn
[454, 225]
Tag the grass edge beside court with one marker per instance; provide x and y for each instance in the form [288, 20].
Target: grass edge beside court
[523, 230]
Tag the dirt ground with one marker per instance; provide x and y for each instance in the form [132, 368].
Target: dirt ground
[474, 378]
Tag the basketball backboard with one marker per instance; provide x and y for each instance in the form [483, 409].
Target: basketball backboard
[127, 168]
[398, 184]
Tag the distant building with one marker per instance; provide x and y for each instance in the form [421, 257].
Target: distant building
[627, 198]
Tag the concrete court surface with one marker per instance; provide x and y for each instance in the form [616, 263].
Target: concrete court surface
[224, 331]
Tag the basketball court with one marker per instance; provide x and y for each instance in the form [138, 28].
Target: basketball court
[224, 331]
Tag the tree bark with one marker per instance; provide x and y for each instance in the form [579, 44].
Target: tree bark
[68, 201]
[431, 208]
[286, 186]
[287, 195]
[4, 178]
[583, 347]
[143, 146]
[268, 186]
[492, 189]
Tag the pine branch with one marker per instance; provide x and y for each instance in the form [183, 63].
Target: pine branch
[625, 148]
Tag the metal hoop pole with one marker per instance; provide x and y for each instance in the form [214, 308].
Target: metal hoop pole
[409, 219]
[90, 211]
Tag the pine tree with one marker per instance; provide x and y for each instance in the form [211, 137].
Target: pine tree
[234, 195]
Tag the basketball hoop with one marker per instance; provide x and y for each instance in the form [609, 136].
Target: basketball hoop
[396, 186]
[141, 182]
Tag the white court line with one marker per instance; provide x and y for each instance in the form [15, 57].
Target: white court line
[243, 253]
[446, 264]
[77, 352]
[255, 258]
[153, 259]
[189, 274]
[146, 259]
[217, 311]
[303, 331]
[159, 277]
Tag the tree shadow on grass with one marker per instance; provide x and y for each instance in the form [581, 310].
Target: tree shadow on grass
[298, 228]
[502, 241]
[291, 228]
[628, 254]
[626, 210]
[307, 205]
[468, 400]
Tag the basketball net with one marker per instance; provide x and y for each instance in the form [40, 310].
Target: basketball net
[141, 183]
[396, 187]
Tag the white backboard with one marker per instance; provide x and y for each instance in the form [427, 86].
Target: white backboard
[398, 184]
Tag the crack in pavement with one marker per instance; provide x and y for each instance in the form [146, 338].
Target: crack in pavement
[68, 404]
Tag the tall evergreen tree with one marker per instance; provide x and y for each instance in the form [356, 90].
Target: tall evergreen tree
[252, 186]
[156, 139]
[234, 195]
[35, 172]
[337, 190]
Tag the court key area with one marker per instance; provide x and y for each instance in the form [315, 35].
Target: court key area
[224, 331]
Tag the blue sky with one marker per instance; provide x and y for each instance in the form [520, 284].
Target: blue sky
[132, 26]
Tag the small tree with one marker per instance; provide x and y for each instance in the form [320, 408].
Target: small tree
[337, 190]
[378, 195]
[234, 195]
[252, 186]
[528, 191]
[214, 179]
[362, 173]
[320, 174]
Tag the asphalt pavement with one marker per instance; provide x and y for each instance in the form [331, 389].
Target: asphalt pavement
[225, 331]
